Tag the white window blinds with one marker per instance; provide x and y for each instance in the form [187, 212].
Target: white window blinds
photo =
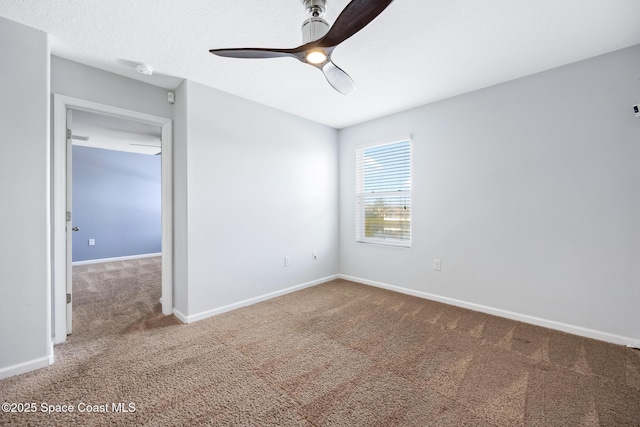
[383, 193]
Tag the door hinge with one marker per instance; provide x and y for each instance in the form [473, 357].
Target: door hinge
[68, 298]
[68, 216]
[68, 133]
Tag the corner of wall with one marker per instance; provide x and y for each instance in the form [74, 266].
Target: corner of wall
[180, 202]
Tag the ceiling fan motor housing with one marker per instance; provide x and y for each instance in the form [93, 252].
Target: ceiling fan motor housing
[314, 27]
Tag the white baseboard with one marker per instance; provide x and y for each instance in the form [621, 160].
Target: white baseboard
[120, 258]
[181, 317]
[551, 324]
[199, 316]
[24, 367]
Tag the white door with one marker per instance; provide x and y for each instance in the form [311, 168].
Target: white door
[70, 227]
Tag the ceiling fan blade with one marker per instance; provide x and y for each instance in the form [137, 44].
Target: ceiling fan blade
[338, 78]
[254, 53]
[355, 16]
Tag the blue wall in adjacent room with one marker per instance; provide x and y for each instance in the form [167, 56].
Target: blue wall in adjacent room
[117, 202]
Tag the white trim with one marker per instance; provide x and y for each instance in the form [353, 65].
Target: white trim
[52, 357]
[61, 104]
[551, 324]
[22, 368]
[167, 216]
[181, 317]
[209, 313]
[119, 258]
[384, 141]
[386, 242]
[49, 217]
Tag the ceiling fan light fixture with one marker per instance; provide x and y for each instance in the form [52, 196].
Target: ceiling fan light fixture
[316, 57]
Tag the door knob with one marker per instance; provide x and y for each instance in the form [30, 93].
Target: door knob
[75, 229]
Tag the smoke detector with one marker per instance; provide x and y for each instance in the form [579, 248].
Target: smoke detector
[145, 69]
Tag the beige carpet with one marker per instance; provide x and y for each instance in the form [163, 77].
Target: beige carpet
[338, 354]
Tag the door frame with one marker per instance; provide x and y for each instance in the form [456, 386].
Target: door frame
[59, 203]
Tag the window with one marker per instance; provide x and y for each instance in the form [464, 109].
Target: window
[383, 193]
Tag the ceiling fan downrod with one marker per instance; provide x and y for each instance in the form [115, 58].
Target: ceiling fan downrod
[314, 27]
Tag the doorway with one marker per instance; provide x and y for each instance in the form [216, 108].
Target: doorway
[62, 299]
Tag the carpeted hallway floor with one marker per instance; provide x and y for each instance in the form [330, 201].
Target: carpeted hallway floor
[337, 354]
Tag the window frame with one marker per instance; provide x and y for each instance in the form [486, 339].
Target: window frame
[360, 195]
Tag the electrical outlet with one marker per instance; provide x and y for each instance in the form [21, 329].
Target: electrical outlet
[437, 265]
[287, 261]
[92, 242]
[314, 256]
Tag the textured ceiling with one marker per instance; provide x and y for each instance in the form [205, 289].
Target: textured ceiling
[416, 52]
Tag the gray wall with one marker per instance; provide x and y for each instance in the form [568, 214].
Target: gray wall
[259, 184]
[180, 202]
[81, 81]
[116, 202]
[251, 185]
[528, 193]
[24, 190]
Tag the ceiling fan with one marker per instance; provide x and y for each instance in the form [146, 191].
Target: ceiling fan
[319, 41]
